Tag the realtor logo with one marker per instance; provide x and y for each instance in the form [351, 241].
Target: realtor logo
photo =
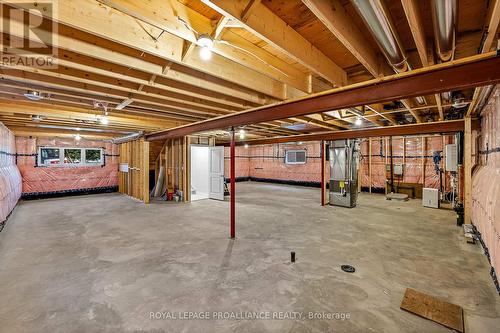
[29, 34]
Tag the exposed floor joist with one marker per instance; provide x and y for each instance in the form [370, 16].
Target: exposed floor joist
[465, 73]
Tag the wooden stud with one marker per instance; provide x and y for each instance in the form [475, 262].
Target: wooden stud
[468, 170]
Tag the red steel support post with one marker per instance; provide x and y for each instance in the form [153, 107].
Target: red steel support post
[233, 182]
[323, 158]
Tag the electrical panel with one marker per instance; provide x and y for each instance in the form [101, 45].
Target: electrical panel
[451, 163]
[398, 169]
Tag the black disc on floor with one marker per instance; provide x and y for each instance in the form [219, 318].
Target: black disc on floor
[348, 268]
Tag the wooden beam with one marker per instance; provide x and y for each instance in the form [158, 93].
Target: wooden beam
[413, 16]
[98, 19]
[46, 108]
[450, 126]
[458, 74]
[468, 170]
[266, 25]
[488, 45]
[248, 9]
[440, 106]
[408, 105]
[168, 17]
[334, 16]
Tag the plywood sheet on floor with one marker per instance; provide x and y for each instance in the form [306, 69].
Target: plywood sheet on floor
[433, 308]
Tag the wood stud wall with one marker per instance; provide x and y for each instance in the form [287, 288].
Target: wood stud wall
[135, 182]
[175, 158]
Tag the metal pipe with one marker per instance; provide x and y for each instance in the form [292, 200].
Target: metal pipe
[233, 182]
[127, 138]
[376, 19]
[381, 27]
[444, 21]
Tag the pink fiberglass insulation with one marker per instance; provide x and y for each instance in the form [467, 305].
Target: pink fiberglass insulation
[47, 179]
[414, 153]
[10, 178]
[268, 162]
[242, 163]
[486, 181]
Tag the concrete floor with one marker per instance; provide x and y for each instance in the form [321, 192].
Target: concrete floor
[103, 263]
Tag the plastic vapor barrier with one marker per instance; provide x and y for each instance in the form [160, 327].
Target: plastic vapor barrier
[66, 177]
[420, 156]
[486, 181]
[10, 178]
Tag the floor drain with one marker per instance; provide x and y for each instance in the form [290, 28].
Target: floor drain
[348, 268]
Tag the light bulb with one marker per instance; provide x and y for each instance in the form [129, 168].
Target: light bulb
[205, 53]
[246, 146]
[205, 41]
[242, 133]
[358, 121]
[78, 137]
[104, 120]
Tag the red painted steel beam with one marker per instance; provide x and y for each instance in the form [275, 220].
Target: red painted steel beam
[233, 185]
[465, 73]
[450, 126]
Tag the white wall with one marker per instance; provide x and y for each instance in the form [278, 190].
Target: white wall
[199, 170]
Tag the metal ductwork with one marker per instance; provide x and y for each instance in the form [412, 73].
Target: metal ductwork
[127, 138]
[378, 22]
[382, 29]
[444, 20]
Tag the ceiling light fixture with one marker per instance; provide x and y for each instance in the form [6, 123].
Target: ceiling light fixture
[242, 133]
[104, 120]
[37, 118]
[246, 145]
[205, 42]
[33, 95]
[205, 53]
[78, 137]
[358, 121]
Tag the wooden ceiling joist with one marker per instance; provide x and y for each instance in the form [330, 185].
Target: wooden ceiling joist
[459, 74]
[334, 16]
[262, 22]
[105, 22]
[412, 129]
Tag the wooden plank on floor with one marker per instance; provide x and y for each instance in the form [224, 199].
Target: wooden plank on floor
[433, 308]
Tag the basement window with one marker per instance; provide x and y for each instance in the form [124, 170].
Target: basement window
[55, 156]
[295, 156]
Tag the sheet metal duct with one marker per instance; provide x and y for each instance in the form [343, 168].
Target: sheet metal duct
[380, 25]
[127, 138]
[444, 20]
[376, 19]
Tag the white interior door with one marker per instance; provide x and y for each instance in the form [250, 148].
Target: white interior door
[216, 173]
